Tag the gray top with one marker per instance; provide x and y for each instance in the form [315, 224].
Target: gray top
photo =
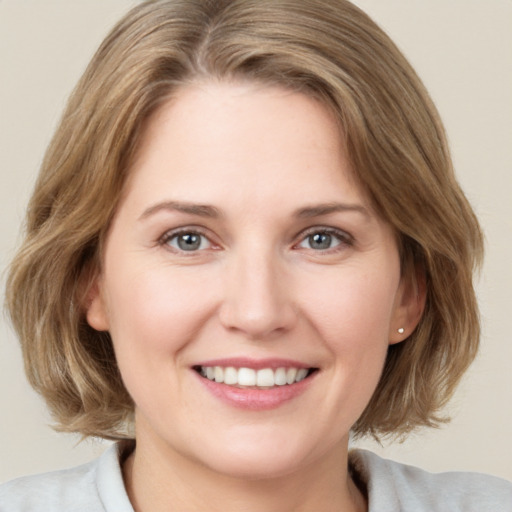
[391, 487]
[394, 487]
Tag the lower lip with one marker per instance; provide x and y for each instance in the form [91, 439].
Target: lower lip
[256, 399]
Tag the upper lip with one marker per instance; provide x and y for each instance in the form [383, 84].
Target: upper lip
[256, 364]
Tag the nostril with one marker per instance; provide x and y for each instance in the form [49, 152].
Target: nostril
[256, 320]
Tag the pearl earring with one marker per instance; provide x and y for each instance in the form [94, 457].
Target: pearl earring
[401, 330]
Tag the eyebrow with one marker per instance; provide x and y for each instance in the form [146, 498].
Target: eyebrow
[208, 211]
[329, 208]
[201, 210]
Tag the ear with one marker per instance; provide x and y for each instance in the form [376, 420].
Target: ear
[95, 306]
[409, 306]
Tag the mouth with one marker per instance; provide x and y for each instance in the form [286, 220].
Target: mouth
[250, 378]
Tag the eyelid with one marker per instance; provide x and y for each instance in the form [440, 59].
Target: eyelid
[345, 238]
[182, 230]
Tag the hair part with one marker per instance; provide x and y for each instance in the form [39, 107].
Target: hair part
[388, 124]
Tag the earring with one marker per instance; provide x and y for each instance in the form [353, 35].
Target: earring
[401, 330]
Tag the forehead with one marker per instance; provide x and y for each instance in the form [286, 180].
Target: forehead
[242, 138]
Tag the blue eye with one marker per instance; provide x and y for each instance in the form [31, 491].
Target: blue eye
[323, 240]
[188, 241]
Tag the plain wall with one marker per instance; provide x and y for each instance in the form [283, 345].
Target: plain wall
[463, 51]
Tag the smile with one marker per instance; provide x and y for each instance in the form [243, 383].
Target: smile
[263, 378]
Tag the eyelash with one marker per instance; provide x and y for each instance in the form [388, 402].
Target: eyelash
[175, 234]
[344, 239]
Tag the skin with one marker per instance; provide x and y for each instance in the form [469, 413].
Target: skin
[256, 287]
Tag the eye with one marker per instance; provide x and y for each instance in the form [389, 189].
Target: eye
[324, 239]
[188, 241]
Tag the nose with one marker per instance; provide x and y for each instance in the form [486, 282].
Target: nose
[258, 300]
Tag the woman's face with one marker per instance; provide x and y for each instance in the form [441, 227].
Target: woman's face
[244, 251]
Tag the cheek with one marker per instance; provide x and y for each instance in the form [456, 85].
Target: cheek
[354, 308]
[353, 320]
[154, 315]
[157, 310]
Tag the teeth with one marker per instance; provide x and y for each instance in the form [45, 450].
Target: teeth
[280, 377]
[291, 373]
[218, 373]
[301, 375]
[246, 377]
[264, 378]
[230, 375]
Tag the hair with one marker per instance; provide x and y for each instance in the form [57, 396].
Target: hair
[328, 49]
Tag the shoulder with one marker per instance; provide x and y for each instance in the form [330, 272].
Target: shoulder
[392, 486]
[93, 487]
[58, 491]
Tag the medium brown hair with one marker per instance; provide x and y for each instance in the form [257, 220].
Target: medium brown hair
[395, 140]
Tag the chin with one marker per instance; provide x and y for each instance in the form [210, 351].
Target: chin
[259, 458]
[253, 468]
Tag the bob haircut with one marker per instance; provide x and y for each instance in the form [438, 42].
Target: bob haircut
[328, 49]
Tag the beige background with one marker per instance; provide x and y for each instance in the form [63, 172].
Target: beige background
[463, 51]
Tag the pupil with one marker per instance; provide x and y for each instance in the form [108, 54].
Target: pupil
[189, 242]
[320, 241]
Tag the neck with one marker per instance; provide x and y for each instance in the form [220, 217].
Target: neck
[164, 480]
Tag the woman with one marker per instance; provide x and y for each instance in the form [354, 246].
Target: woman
[247, 214]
